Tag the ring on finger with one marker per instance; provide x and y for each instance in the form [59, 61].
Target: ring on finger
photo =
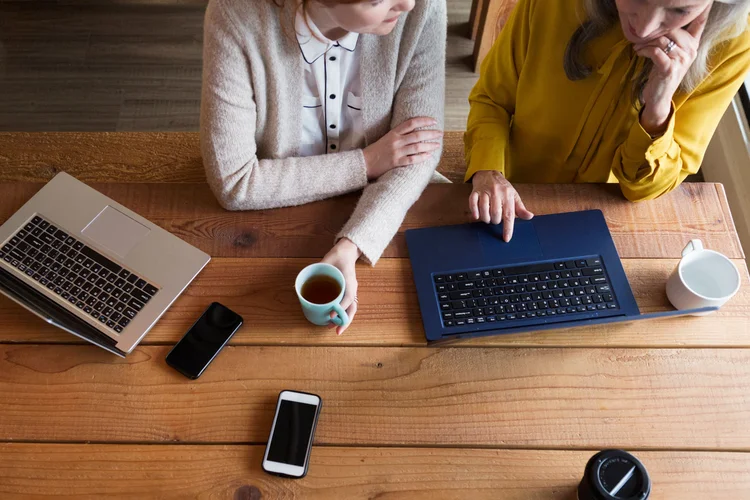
[356, 299]
[669, 46]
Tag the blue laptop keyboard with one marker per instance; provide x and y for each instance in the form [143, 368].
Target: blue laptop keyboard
[514, 293]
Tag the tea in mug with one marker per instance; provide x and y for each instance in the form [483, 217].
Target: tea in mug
[321, 289]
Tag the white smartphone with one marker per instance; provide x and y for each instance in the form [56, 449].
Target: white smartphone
[289, 445]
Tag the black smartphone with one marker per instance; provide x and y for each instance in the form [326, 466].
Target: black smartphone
[200, 345]
[289, 445]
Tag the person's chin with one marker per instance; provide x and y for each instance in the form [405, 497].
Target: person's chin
[632, 39]
[384, 29]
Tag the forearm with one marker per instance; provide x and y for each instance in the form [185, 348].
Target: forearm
[493, 98]
[241, 181]
[654, 118]
[647, 167]
[486, 139]
[383, 206]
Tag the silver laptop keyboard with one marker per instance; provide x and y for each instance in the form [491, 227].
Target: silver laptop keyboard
[79, 274]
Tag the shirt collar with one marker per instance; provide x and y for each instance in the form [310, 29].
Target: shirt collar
[312, 42]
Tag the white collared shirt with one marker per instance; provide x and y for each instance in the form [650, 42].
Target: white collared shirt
[331, 97]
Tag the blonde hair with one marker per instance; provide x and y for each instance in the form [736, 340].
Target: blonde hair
[727, 20]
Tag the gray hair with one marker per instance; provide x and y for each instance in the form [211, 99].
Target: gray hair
[727, 20]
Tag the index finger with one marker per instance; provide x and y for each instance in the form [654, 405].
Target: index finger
[414, 123]
[699, 23]
[509, 219]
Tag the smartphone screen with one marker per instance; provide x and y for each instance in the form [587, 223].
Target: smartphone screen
[290, 443]
[204, 340]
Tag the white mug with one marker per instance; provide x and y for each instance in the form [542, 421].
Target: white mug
[703, 278]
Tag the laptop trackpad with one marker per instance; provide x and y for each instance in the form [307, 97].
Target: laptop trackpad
[116, 231]
[524, 246]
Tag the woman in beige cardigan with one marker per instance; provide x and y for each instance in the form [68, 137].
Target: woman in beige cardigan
[308, 99]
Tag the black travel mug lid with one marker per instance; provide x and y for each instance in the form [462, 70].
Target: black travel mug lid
[614, 475]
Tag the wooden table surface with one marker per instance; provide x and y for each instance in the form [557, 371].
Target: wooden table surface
[512, 416]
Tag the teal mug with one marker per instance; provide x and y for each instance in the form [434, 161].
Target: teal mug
[320, 288]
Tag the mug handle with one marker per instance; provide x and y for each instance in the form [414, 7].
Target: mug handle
[341, 317]
[692, 246]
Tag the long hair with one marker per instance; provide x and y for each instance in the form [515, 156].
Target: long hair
[727, 20]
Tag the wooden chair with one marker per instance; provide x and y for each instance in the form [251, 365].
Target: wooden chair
[487, 19]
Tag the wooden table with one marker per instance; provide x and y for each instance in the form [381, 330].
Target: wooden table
[505, 417]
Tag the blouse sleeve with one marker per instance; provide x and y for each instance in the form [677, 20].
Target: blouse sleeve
[493, 99]
[649, 167]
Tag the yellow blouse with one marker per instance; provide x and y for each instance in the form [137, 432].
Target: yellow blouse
[532, 124]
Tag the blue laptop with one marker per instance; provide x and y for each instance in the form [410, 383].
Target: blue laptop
[558, 271]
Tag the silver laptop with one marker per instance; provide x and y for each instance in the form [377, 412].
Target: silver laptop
[91, 267]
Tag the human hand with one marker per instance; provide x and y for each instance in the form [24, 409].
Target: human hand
[402, 146]
[495, 200]
[344, 256]
[672, 55]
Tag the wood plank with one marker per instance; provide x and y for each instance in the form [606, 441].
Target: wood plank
[568, 398]
[175, 472]
[134, 156]
[125, 156]
[261, 291]
[553, 398]
[656, 229]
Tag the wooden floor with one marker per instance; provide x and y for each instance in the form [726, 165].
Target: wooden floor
[135, 65]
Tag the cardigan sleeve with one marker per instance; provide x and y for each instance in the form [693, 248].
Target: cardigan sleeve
[493, 99]
[649, 167]
[384, 203]
[238, 178]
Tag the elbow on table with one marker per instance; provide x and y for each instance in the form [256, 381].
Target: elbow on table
[234, 198]
[234, 192]
[228, 202]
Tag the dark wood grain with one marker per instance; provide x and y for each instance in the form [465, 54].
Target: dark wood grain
[261, 290]
[657, 229]
[94, 471]
[561, 398]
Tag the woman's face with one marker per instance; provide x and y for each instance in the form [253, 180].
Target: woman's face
[377, 17]
[646, 20]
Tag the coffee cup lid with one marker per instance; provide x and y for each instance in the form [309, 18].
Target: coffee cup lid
[614, 475]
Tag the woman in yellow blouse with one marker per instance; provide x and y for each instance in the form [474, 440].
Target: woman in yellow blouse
[626, 91]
